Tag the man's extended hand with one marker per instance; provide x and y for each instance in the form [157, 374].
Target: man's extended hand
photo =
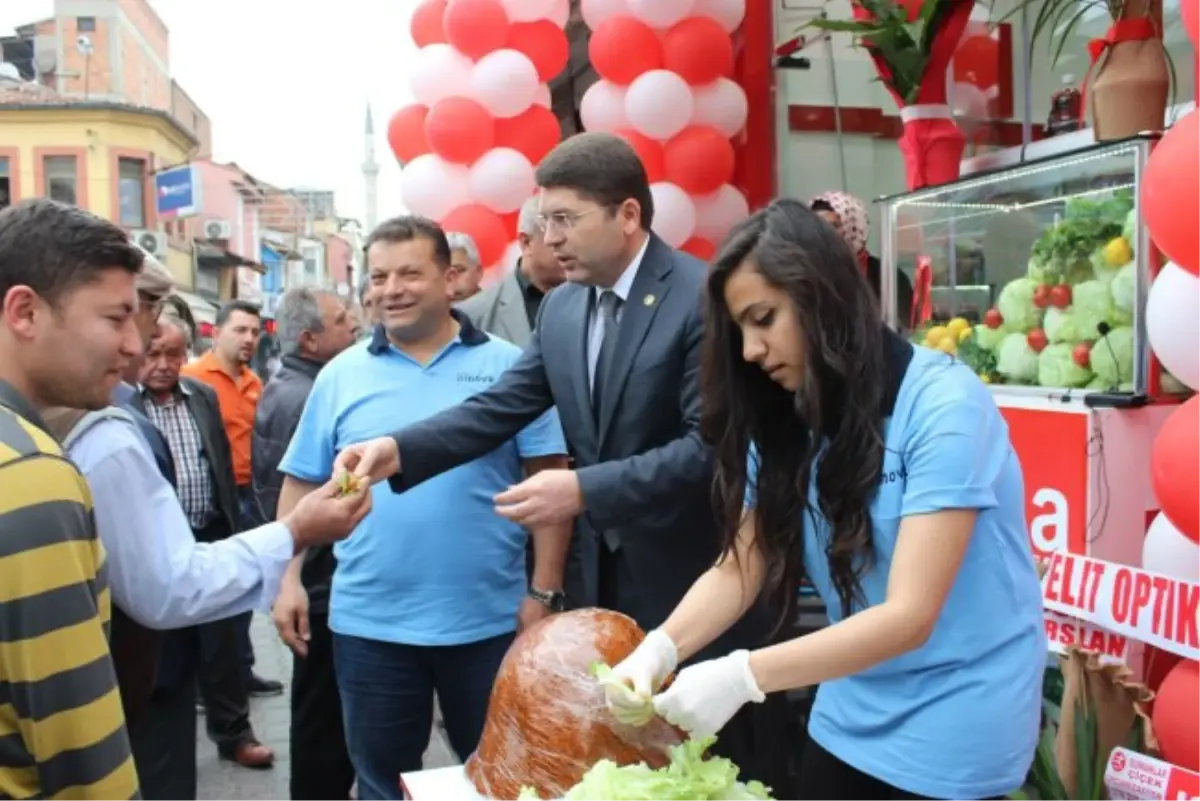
[531, 612]
[325, 515]
[549, 496]
[290, 615]
[373, 460]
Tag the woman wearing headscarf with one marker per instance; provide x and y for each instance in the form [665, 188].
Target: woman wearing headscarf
[848, 216]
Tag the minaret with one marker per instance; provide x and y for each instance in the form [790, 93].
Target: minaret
[370, 170]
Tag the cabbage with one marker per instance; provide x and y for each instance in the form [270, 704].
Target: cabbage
[1101, 270]
[1059, 326]
[1056, 368]
[1016, 305]
[1123, 291]
[1130, 223]
[1112, 358]
[1016, 361]
[989, 338]
[689, 775]
[1091, 306]
[1036, 270]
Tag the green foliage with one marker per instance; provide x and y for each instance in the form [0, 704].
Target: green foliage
[1064, 250]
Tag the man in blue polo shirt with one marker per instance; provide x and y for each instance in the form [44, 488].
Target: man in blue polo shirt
[430, 589]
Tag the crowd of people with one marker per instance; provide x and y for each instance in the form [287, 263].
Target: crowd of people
[613, 424]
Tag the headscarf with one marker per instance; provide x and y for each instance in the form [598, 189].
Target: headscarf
[854, 223]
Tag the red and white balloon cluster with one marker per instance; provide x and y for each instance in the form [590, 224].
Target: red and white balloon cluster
[482, 118]
[665, 87]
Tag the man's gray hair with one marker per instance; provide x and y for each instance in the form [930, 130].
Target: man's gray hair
[530, 220]
[298, 311]
[154, 279]
[466, 244]
[170, 316]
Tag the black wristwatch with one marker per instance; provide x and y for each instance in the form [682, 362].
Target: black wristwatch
[554, 600]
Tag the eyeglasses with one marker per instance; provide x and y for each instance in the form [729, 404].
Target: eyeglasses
[563, 220]
[152, 304]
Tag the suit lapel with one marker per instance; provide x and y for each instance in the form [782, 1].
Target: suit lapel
[645, 298]
[510, 311]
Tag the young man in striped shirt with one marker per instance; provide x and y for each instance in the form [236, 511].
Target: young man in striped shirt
[67, 300]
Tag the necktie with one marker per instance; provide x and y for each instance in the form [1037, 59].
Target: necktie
[608, 306]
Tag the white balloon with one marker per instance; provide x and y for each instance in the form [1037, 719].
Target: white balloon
[1166, 550]
[659, 104]
[543, 96]
[433, 187]
[729, 13]
[596, 12]
[505, 82]
[717, 213]
[603, 107]
[438, 71]
[1173, 323]
[502, 180]
[527, 10]
[674, 213]
[560, 13]
[721, 104]
[661, 13]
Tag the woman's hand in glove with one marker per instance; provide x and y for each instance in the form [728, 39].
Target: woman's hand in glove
[632, 683]
[705, 696]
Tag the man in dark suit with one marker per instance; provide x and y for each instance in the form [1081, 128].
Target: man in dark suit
[617, 351]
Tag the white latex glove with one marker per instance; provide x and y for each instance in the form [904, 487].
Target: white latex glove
[705, 696]
[637, 676]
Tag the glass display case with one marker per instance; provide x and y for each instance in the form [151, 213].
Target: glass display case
[1036, 272]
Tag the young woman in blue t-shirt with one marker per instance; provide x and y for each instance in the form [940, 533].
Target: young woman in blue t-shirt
[910, 525]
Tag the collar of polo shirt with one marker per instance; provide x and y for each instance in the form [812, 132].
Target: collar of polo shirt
[468, 334]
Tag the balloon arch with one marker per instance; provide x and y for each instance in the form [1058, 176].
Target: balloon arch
[482, 119]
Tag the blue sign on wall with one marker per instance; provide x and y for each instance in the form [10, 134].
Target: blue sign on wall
[177, 192]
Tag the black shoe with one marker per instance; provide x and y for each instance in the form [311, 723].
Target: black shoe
[258, 687]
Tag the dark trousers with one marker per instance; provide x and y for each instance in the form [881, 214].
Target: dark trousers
[164, 745]
[222, 686]
[387, 694]
[248, 507]
[824, 776]
[320, 763]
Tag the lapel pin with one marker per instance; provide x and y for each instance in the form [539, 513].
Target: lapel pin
[648, 300]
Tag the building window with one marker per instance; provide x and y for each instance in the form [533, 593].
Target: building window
[61, 178]
[5, 184]
[86, 24]
[131, 191]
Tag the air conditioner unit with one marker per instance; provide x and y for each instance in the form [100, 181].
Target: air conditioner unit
[153, 242]
[218, 229]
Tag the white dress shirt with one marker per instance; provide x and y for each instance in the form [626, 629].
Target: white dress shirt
[160, 576]
[621, 289]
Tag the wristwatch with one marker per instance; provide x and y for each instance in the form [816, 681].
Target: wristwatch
[554, 600]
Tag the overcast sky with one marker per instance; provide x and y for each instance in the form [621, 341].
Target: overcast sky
[287, 89]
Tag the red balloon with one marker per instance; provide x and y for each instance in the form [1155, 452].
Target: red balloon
[622, 48]
[1171, 193]
[406, 133]
[545, 43]
[699, 50]
[484, 226]
[510, 223]
[475, 27]
[459, 129]
[700, 248]
[426, 26]
[649, 151]
[1175, 467]
[1190, 11]
[533, 133]
[699, 159]
[1174, 717]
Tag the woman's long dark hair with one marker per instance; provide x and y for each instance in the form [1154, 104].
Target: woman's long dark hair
[839, 405]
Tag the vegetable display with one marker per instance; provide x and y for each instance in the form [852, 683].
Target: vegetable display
[1067, 322]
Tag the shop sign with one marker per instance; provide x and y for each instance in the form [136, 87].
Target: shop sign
[1053, 450]
[1063, 631]
[1147, 607]
[1131, 775]
[177, 192]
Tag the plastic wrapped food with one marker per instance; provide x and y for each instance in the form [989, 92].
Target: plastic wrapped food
[547, 721]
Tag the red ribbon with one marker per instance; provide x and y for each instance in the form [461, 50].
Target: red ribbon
[922, 301]
[1138, 29]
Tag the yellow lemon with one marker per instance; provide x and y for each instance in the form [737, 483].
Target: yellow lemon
[947, 344]
[958, 325]
[964, 335]
[1118, 253]
[934, 335]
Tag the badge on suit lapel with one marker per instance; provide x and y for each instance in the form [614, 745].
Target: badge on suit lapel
[649, 300]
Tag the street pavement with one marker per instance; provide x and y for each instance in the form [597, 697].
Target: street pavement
[271, 718]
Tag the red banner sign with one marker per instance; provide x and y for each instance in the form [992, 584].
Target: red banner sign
[1063, 631]
[1131, 775]
[1053, 450]
[1147, 607]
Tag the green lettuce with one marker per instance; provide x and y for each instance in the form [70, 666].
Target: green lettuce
[1056, 368]
[1112, 358]
[1123, 291]
[1059, 326]
[989, 338]
[1016, 361]
[1091, 305]
[1016, 305]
